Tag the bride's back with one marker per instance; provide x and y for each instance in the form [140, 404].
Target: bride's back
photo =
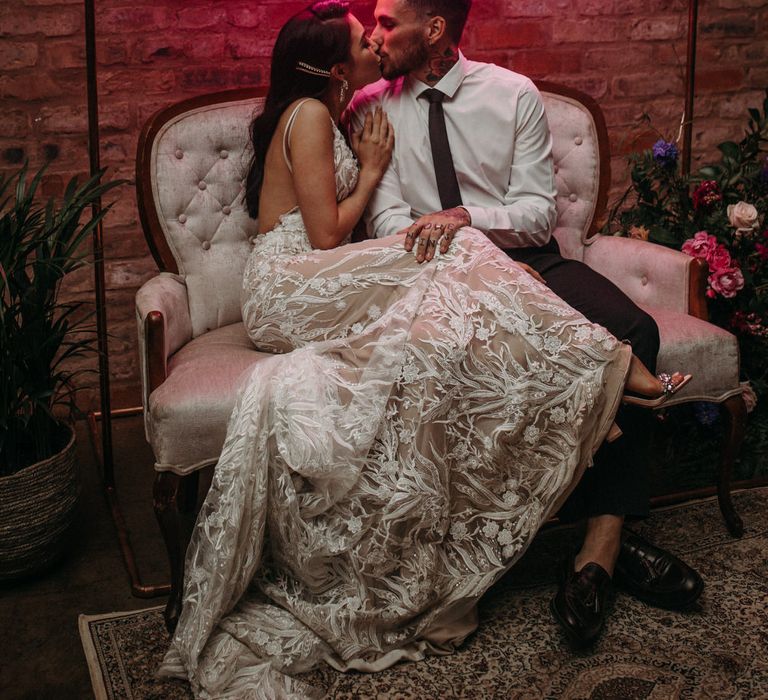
[278, 194]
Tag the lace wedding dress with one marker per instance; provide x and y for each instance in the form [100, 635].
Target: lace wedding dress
[378, 477]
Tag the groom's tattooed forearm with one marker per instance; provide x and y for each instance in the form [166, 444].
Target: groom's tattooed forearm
[441, 63]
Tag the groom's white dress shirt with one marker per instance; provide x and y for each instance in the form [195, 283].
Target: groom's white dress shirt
[501, 148]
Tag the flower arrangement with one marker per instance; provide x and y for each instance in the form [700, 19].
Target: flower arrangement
[716, 214]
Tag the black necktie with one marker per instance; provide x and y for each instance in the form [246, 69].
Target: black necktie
[447, 184]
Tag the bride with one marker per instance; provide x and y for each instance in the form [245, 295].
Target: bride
[378, 478]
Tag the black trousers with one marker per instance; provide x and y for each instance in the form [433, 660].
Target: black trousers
[618, 482]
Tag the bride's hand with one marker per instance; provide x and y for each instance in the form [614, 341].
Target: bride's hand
[373, 144]
[530, 271]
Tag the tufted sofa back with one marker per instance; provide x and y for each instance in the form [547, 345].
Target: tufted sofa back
[582, 164]
[191, 165]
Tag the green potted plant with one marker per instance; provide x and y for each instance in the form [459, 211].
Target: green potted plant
[40, 335]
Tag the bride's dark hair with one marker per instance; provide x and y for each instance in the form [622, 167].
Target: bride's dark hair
[318, 36]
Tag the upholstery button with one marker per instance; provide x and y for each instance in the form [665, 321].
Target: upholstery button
[201, 185]
[643, 280]
[557, 169]
[226, 210]
[578, 140]
[573, 196]
[182, 218]
[224, 153]
[206, 245]
[179, 153]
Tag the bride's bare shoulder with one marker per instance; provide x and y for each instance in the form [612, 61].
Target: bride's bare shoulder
[310, 111]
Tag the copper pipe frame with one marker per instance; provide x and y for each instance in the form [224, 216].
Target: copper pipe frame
[690, 85]
[105, 454]
[138, 589]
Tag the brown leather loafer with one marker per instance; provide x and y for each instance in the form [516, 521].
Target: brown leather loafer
[655, 576]
[581, 602]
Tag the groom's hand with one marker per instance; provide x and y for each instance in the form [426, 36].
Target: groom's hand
[432, 230]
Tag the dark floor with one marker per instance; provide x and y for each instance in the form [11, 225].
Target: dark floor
[40, 651]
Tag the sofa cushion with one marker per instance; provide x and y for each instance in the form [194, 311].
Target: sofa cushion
[692, 346]
[188, 412]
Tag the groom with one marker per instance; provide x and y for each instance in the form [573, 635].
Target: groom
[491, 168]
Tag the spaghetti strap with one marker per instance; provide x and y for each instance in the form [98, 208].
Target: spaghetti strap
[287, 133]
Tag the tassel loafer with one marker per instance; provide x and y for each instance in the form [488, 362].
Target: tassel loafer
[655, 576]
[580, 604]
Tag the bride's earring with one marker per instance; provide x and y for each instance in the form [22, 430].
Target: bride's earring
[343, 90]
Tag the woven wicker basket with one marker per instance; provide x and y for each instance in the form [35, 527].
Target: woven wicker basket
[37, 508]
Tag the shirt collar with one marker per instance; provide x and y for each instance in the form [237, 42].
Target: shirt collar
[448, 84]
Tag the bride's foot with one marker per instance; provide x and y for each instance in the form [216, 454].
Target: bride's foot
[653, 390]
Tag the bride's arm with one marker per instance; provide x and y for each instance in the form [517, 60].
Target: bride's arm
[327, 221]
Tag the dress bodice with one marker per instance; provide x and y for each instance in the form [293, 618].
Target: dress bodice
[289, 236]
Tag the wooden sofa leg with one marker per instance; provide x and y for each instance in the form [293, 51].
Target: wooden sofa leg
[735, 415]
[165, 494]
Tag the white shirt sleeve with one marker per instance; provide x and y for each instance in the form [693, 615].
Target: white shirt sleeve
[529, 212]
[387, 211]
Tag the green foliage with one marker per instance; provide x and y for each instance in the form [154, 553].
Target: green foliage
[39, 334]
[697, 214]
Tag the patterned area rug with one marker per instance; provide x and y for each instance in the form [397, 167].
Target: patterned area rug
[717, 651]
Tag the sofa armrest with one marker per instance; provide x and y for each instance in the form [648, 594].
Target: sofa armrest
[650, 274]
[164, 326]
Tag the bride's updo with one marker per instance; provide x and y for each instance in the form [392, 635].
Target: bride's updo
[308, 45]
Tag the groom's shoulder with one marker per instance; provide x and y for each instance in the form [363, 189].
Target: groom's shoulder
[494, 73]
[378, 93]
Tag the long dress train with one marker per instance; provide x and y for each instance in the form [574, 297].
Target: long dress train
[396, 455]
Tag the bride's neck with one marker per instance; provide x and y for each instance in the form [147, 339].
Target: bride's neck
[335, 106]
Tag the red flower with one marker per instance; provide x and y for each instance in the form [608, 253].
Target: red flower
[719, 258]
[706, 194]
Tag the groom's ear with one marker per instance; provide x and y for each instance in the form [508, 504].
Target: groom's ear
[435, 29]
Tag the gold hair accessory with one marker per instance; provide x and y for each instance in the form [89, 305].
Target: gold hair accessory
[311, 70]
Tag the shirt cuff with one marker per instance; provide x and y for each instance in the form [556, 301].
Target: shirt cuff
[478, 218]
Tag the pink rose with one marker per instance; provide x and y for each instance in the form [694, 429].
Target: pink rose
[719, 258]
[726, 282]
[702, 245]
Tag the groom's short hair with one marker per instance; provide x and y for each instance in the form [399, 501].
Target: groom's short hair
[453, 11]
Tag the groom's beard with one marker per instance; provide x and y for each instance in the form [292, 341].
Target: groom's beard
[412, 57]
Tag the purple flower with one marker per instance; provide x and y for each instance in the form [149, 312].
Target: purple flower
[706, 412]
[665, 153]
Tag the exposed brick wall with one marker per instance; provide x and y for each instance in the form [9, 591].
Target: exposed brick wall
[627, 54]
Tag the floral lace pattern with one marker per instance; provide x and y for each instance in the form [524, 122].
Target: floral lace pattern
[379, 478]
